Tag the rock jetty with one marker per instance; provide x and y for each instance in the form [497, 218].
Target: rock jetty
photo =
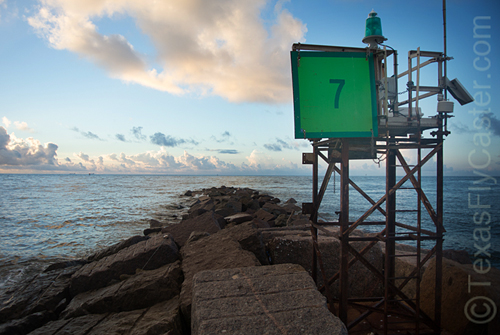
[237, 258]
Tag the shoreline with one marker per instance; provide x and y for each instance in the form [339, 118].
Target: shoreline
[224, 228]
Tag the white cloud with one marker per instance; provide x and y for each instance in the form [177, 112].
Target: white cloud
[20, 125]
[23, 126]
[219, 47]
[25, 152]
[6, 122]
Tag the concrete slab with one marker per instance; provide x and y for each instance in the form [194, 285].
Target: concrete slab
[276, 299]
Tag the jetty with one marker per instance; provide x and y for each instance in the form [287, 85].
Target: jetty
[239, 262]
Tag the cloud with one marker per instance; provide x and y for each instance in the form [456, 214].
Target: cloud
[137, 132]
[83, 157]
[25, 152]
[169, 141]
[23, 126]
[88, 134]
[218, 47]
[224, 137]
[280, 145]
[228, 151]
[20, 125]
[120, 137]
[494, 123]
[6, 122]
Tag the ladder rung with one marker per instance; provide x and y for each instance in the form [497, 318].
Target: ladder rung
[413, 277]
[404, 255]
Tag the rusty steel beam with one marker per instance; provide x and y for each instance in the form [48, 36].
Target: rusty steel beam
[398, 185]
[344, 223]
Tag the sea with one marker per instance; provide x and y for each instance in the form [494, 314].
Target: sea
[51, 218]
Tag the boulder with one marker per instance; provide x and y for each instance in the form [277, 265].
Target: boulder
[139, 291]
[48, 291]
[230, 207]
[274, 208]
[249, 238]
[295, 247]
[162, 318]
[116, 247]
[155, 223]
[151, 231]
[207, 222]
[149, 254]
[204, 205]
[279, 299]
[465, 291]
[238, 218]
[216, 251]
[264, 215]
[26, 324]
[459, 256]
[196, 235]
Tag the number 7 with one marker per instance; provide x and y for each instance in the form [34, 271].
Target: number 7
[341, 83]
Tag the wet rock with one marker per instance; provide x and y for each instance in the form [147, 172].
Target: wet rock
[116, 247]
[142, 290]
[153, 223]
[207, 222]
[65, 264]
[162, 318]
[48, 291]
[147, 255]
[26, 324]
[188, 193]
[204, 205]
[150, 231]
[216, 251]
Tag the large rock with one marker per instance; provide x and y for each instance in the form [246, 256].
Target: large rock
[139, 291]
[201, 207]
[250, 239]
[217, 251]
[279, 299]
[464, 292]
[26, 324]
[48, 291]
[162, 318]
[146, 255]
[117, 247]
[295, 246]
[238, 218]
[207, 222]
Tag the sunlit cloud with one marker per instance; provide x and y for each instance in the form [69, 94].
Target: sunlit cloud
[17, 154]
[25, 152]
[218, 47]
[6, 122]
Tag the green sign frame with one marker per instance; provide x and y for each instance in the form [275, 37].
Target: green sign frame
[334, 94]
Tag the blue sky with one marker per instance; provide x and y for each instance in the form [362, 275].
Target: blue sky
[204, 87]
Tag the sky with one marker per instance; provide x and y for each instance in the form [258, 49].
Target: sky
[204, 87]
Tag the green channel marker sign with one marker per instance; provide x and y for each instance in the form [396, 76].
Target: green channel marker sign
[334, 94]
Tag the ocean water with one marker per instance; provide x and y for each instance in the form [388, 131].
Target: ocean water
[49, 218]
